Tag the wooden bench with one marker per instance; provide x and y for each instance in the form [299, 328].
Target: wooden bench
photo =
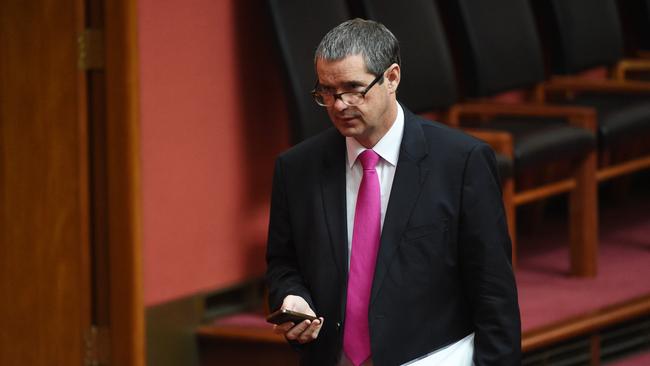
[243, 339]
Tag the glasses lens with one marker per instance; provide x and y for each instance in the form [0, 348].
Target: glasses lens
[327, 100]
[319, 99]
[352, 99]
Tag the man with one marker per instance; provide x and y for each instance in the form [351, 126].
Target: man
[388, 227]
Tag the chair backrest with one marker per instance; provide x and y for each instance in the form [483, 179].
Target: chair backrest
[500, 48]
[635, 19]
[644, 25]
[428, 81]
[583, 33]
[299, 26]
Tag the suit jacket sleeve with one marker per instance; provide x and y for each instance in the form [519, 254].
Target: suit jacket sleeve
[283, 270]
[486, 263]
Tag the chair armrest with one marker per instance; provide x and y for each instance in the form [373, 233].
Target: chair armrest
[630, 65]
[570, 84]
[577, 116]
[501, 142]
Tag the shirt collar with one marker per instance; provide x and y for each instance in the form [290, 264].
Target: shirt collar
[387, 147]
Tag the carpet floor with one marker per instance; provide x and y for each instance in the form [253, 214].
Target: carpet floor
[547, 294]
[642, 359]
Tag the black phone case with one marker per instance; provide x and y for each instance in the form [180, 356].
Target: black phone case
[284, 316]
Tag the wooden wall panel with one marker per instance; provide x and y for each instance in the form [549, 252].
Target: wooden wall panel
[44, 285]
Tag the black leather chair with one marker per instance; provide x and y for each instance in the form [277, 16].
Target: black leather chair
[635, 19]
[584, 34]
[429, 83]
[299, 26]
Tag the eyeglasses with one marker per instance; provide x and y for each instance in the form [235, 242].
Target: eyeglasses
[349, 98]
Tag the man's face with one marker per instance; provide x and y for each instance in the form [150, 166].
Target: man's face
[367, 122]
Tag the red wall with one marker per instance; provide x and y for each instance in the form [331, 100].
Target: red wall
[213, 119]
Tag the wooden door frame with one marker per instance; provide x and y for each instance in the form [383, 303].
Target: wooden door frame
[123, 189]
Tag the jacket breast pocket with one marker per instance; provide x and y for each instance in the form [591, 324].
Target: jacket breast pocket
[422, 231]
[421, 256]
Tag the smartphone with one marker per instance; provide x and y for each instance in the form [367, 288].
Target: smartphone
[285, 316]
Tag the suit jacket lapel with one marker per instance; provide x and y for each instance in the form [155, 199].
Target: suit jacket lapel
[333, 188]
[407, 184]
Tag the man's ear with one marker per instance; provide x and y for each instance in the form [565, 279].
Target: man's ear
[393, 77]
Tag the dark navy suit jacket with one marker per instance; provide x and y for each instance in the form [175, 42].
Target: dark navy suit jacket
[443, 269]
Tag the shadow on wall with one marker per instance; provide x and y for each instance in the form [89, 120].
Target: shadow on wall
[263, 108]
[264, 113]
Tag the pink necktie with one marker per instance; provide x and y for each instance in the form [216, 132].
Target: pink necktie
[365, 244]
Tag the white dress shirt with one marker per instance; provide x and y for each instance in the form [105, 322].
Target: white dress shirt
[459, 353]
[388, 150]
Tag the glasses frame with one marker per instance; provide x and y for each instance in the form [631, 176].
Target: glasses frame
[315, 93]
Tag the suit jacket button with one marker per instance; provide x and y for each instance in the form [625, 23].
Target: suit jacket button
[338, 325]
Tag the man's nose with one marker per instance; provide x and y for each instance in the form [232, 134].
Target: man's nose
[339, 105]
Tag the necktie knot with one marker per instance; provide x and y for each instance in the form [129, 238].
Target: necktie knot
[369, 159]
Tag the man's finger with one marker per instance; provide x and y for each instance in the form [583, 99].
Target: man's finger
[317, 331]
[296, 331]
[311, 332]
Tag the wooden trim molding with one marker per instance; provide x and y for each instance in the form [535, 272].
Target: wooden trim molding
[123, 185]
[585, 324]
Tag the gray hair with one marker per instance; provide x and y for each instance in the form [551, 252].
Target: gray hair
[372, 40]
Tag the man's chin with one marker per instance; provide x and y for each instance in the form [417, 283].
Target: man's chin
[347, 130]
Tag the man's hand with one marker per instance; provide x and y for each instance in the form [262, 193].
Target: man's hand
[304, 332]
